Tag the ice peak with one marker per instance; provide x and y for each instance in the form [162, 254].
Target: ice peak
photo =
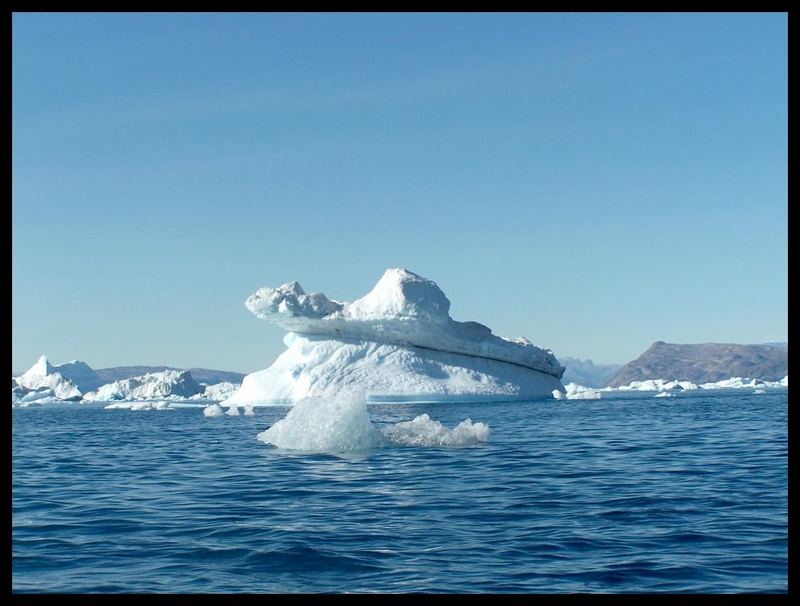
[402, 293]
[41, 368]
[292, 287]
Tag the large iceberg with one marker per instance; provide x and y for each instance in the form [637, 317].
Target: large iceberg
[398, 342]
[67, 381]
[154, 385]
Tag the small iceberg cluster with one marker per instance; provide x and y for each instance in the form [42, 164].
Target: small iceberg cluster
[76, 381]
[215, 410]
[665, 388]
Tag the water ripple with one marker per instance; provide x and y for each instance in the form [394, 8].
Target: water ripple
[610, 495]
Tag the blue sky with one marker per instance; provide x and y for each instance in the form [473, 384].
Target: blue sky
[594, 182]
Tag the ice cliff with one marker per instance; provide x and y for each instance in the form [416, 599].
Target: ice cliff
[398, 342]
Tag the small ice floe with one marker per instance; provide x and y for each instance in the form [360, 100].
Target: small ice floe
[422, 431]
[233, 411]
[333, 424]
[664, 394]
[759, 391]
[157, 405]
[213, 410]
[579, 392]
[248, 410]
[342, 423]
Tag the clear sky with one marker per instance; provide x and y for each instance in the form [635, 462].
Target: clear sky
[594, 182]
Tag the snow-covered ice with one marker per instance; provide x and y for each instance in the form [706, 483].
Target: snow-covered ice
[62, 379]
[217, 392]
[398, 342]
[155, 385]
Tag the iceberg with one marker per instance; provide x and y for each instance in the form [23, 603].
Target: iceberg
[151, 386]
[579, 392]
[397, 343]
[342, 423]
[423, 431]
[213, 410]
[63, 380]
[217, 392]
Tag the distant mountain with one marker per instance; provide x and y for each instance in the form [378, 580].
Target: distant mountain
[201, 375]
[706, 363]
[587, 373]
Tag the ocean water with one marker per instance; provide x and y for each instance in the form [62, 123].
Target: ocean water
[626, 494]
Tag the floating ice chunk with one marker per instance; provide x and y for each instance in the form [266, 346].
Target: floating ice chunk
[218, 391]
[589, 394]
[664, 394]
[248, 410]
[422, 431]
[579, 392]
[213, 410]
[233, 411]
[558, 395]
[163, 405]
[325, 425]
[342, 423]
[41, 396]
[760, 391]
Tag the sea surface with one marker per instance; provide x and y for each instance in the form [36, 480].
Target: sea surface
[626, 494]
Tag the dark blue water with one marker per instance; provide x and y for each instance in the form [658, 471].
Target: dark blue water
[631, 494]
